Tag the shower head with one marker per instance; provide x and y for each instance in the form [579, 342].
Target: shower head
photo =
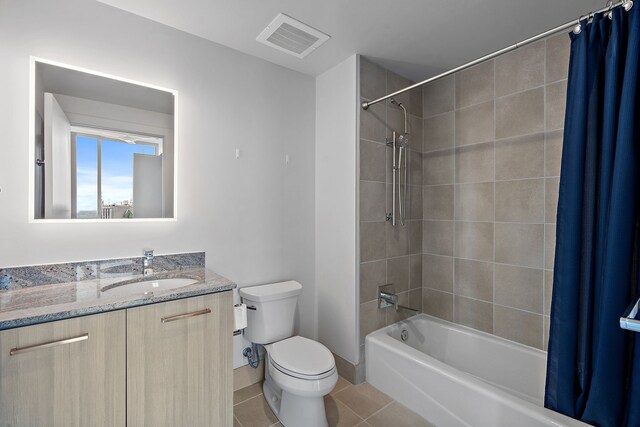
[403, 139]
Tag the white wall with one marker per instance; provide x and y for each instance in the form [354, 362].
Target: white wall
[336, 211]
[239, 211]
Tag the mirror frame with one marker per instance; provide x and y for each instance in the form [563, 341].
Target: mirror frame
[31, 210]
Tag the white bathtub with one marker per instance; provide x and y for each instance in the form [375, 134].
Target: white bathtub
[456, 376]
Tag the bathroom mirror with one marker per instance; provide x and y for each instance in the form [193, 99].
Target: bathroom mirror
[103, 148]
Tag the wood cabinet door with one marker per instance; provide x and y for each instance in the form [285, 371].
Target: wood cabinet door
[67, 373]
[179, 363]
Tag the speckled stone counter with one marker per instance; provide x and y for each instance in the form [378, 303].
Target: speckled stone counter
[31, 304]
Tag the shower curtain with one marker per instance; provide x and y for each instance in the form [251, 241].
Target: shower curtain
[593, 367]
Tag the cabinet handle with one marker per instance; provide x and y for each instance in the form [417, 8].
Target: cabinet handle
[185, 316]
[50, 344]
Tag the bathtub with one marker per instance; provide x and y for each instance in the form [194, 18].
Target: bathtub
[456, 376]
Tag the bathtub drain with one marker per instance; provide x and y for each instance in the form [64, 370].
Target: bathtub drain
[404, 335]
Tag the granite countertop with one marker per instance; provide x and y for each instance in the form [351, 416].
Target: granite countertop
[30, 305]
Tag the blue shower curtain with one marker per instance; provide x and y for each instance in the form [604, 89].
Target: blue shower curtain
[593, 367]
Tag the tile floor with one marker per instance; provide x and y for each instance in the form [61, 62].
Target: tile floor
[348, 405]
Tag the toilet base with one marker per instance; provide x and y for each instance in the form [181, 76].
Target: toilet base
[292, 410]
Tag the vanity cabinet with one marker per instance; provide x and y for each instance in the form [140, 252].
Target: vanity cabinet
[66, 373]
[179, 363]
[164, 364]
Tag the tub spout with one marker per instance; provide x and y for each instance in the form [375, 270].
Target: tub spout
[407, 309]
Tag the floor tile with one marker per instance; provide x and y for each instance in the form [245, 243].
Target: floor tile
[398, 416]
[247, 393]
[339, 415]
[255, 412]
[363, 399]
[340, 385]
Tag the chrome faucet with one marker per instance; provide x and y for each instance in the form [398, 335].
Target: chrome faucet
[390, 299]
[147, 262]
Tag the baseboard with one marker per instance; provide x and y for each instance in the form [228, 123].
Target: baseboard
[347, 370]
[245, 376]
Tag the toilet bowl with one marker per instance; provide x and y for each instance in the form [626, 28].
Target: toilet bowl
[299, 372]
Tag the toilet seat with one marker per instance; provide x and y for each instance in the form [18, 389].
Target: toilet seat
[301, 358]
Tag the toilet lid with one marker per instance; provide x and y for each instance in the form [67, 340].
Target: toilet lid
[302, 356]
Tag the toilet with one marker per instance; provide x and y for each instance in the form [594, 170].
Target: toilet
[299, 372]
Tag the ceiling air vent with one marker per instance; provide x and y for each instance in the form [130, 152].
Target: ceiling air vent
[293, 37]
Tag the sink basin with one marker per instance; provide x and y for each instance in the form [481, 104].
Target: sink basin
[147, 287]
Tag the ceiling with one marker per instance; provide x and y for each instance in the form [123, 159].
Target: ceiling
[415, 38]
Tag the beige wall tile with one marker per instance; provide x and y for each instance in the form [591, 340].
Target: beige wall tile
[415, 167]
[520, 201]
[437, 272]
[520, 114]
[474, 85]
[551, 196]
[473, 279]
[519, 326]
[520, 244]
[549, 245]
[414, 235]
[474, 124]
[398, 273]
[438, 304]
[438, 97]
[397, 239]
[553, 153]
[372, 161]
[437, 237]
[519, 287]
[521, 157]
[415, 133]
[438, 202]
[474, 202]
[372, 241]
[438, 132]
[373, 123]
[371, 318]
[557, 63]
[372, 201]
[414, 202]
[396, 82]
[474, 314]
[415, 102]
[474, 240]
[548, 291]
[373, 80]
[555, 104]
[520, 69]
[437, 167]
[545, 332]
[372, 275]
[475, 163]
[415, 272]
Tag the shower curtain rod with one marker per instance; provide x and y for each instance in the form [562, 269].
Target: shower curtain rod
[628, 4]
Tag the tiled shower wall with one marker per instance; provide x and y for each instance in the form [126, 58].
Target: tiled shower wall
[492, 150]
[387, 254]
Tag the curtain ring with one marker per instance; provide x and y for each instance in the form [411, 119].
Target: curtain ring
[609, 12]
[590, 17]
[627, 5]
[578, 28]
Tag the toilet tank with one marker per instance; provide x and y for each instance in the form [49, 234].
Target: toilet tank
[275, 309]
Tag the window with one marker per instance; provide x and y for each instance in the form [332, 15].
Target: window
[102, 184]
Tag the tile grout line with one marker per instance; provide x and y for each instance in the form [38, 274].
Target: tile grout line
[379, 410]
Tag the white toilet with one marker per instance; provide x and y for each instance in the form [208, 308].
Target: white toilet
[299, 372]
